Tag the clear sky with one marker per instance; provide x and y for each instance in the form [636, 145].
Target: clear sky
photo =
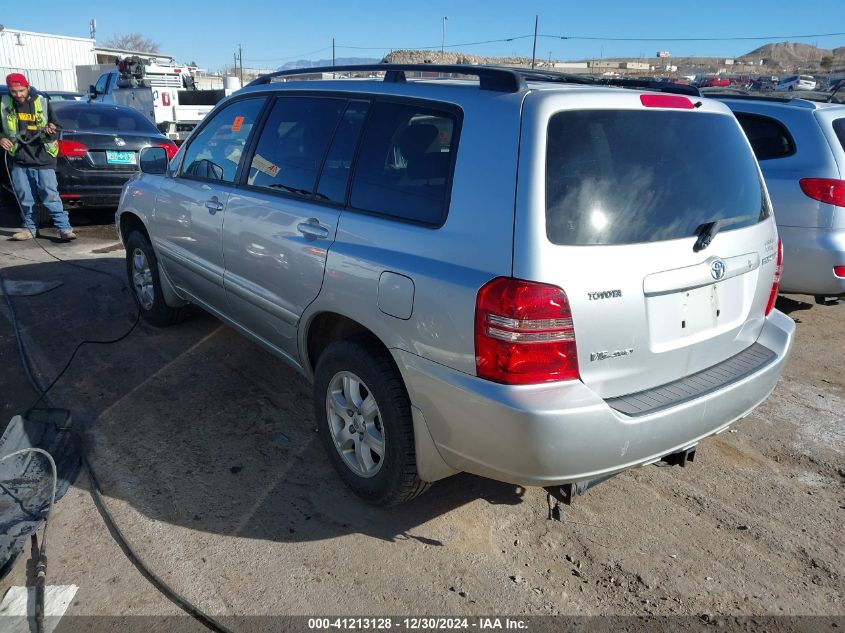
[273, 32]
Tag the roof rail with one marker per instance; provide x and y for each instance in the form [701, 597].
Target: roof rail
[798, 102]
[497, 78]
[489, 77]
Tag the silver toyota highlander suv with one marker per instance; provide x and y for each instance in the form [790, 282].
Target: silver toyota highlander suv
[528, 276]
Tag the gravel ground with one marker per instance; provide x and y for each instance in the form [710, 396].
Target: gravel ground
[206, 452]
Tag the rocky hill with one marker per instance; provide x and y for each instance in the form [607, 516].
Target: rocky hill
[790, 53]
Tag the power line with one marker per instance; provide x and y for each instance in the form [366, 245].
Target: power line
[596, 38]
[420, 48]
[284, 59]
[689, 39]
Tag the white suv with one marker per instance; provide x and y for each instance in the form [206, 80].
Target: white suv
[796, 82]
[531, 277]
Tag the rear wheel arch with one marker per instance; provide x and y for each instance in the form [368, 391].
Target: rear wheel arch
[326, 328]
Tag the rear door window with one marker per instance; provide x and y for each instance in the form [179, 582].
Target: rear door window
[293, 143]
[404, 166]
[631, 176]
[335, 175]
[768, 137]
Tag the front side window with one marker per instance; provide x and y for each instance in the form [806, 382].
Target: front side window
[405, 162]
[216, 151]
[101, 84]
[633, 176]
[768, 137]
[293, 142]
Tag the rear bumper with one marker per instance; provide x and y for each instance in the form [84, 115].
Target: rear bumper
[809, 255]
[547, 435]
[91, 189]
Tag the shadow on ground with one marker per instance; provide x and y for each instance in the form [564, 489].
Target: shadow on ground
[196, 426]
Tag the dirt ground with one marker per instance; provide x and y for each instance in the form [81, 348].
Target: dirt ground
[205, 449]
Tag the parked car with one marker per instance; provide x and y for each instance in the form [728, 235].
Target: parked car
[98, 151]
[529, 280]
[801, 148]
[714, 82]
[796, 82]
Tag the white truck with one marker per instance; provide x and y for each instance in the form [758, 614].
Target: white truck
[162, 93]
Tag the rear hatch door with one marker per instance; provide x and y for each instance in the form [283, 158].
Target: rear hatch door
[616, 207]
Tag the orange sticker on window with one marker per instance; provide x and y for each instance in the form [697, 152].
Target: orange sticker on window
[237, 124]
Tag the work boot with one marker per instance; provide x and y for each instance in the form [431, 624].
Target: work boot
[67, 235]
[21, 236]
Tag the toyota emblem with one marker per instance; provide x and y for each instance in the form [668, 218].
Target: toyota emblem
[119, 141]
[717, 269]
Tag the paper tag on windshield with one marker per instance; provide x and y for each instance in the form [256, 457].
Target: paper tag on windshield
[237, 124]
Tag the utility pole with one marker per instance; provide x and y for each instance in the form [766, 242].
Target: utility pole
[334, 76]
[443, 35]
[241, 60]
[534, 52]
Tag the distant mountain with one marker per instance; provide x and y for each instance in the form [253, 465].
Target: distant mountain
[788, 53]
[340, 61]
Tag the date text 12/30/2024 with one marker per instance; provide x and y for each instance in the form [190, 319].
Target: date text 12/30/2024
[417, 624]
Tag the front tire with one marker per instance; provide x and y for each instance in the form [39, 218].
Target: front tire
[142, 271]
[364, 421]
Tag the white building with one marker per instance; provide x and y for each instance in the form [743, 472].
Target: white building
[48, 61]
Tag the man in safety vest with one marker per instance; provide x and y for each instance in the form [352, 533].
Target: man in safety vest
[29, 138]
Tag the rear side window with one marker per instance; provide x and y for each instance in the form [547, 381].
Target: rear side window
[631, 176]
[405, 163]
[215, 152]
[293, 142]
[768, 137]
[839, 128]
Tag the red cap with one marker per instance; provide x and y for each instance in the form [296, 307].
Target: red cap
[16, 78]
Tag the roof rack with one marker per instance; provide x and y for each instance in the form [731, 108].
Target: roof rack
[795, 101]
[497, 78]
[489, 77]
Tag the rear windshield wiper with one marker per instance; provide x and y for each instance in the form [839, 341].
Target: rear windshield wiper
[707, 231]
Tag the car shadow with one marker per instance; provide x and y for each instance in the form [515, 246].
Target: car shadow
[196, 426]
[787, 305]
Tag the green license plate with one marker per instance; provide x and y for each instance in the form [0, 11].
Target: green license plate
[120, 158]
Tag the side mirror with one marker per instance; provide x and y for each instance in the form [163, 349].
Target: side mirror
[92, 91]
[153, 160]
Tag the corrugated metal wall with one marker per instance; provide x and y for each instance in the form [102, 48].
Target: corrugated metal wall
[48, 61]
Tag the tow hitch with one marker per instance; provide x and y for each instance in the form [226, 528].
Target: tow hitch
[566, 493]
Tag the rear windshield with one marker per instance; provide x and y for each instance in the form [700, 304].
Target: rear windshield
[629, 176]
[100, 118]
[839, 128]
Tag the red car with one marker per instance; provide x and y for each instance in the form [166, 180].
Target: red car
[714, 82]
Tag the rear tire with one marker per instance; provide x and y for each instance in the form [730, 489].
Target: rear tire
[364, 421]
[142, 272]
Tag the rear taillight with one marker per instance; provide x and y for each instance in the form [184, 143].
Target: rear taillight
[839, 271]
[773, 294]
[827, 190]
[170, 148]
[72, 149]
[524, 333]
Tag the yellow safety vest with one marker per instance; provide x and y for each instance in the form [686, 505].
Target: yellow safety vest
[10, 122]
